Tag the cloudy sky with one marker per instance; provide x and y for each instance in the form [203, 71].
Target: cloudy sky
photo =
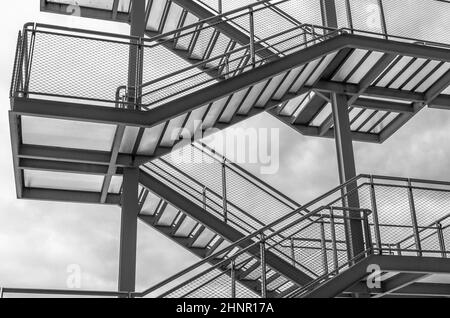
[38, 240]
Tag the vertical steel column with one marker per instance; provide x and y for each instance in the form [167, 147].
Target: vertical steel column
[220, 6]
[130, 194]
[135, 63]
[262, 251]
[128, 230]
[440, 234]
[415, 226]
[376, 223]
[233, 279]
[224, 190]
[347, 171]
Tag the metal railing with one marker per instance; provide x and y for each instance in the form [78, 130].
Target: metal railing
[250, 203]
[397, 215]
[392, 212]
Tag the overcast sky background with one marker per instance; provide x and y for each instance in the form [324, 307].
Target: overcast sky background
[38, 240]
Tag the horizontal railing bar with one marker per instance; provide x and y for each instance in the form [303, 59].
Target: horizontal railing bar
[74, 292]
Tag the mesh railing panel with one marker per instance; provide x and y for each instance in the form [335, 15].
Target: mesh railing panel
[394, 214]
[243, 191]
[425, 20]
[78, 67]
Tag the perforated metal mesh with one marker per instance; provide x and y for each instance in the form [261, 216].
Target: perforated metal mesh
[426, 20]
[78, 67]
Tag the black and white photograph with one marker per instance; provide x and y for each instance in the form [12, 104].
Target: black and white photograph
[225, 156]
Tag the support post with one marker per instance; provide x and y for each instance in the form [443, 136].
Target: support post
[347, 171]
[128, 230]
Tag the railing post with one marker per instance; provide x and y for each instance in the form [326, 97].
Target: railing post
[224, 190]
[333, 242]
[233, 279]
[383, 20]
[1, 292]
[376, 224]
[368, 235]
[262, 246]
[252, 37]
[349, 15]
[204, 197]
[414, 219]
[293, 251]
[441, 239]
[323, 247]
[399, 249]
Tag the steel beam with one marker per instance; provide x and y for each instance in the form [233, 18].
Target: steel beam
[316, 104]
[343, 281]
[364, 84]
[128, 230]
[425, 289]
[399, 281]
[372, 75]
[91, 157]
[16, 139]
[314, 131]
[68, 196]
[347, 171]
[398, 123]
[397, 264]
[434, 91]
[60, 166]
[382, 105]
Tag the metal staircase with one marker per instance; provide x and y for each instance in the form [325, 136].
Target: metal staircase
[261, 244]
[205, 225]
[408, 250]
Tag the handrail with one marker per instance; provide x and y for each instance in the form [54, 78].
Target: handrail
[73, 292]
[255, 234]
[253, 243]
[210, 191]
